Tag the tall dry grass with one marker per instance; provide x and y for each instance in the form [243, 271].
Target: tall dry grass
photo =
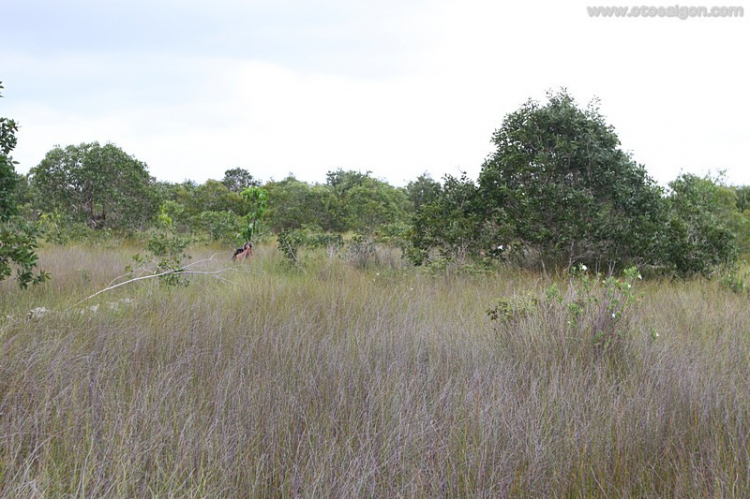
[382, 382]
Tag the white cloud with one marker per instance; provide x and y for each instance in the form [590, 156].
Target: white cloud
[309, 87]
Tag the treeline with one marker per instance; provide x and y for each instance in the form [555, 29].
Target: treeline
[557, 192]
[79, 191]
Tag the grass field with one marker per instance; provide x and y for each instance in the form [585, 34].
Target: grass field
[377, 382]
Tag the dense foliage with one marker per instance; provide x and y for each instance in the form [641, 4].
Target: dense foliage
[706, 228]
[558, 191]
[100, 186]
[17, 236]
[568, 191]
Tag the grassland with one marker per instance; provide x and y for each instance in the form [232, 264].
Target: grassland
[377, 382]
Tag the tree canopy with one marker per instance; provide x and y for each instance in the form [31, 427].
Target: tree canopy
[561, 181]
[101, 186]
[558, 190]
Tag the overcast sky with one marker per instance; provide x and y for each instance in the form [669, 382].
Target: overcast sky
[399, 87]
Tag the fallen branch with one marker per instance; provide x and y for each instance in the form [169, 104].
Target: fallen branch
[182, 270]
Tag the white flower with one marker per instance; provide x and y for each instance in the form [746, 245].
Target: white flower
[640, 276]
[584, 268]
[614, 315]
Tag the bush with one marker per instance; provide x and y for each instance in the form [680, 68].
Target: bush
[591, 319]
[293, 240]
[704, 226]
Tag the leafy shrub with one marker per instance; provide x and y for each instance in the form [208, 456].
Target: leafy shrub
[511, 311]
[293, 240]
[705, 226]
[560, 184]
[223, 226]
[361, 252]
[18, 238]
[165, 254]
[593, 312]
[290, 243]
[18, 242]
[57, 228]
[736, 283]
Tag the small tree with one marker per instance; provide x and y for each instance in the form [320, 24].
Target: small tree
[238, 179]
[258, 199]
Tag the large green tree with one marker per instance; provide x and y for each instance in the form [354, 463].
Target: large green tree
[101, 186]
[17, 237]
[570, 193]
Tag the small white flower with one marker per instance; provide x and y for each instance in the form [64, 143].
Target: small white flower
[584, 268]
[640, 276]
[614, 315]
[629, 286]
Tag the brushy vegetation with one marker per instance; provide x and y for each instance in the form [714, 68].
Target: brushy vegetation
[337, 379]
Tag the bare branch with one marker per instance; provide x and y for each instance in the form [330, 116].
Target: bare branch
[182, 270]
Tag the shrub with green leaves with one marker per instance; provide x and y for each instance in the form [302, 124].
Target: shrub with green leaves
[18, 238]
[706, 228]
[165, 254]
[593, 313]
[258, 199]
[361, 251]
[292, 241]
[223, 226]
